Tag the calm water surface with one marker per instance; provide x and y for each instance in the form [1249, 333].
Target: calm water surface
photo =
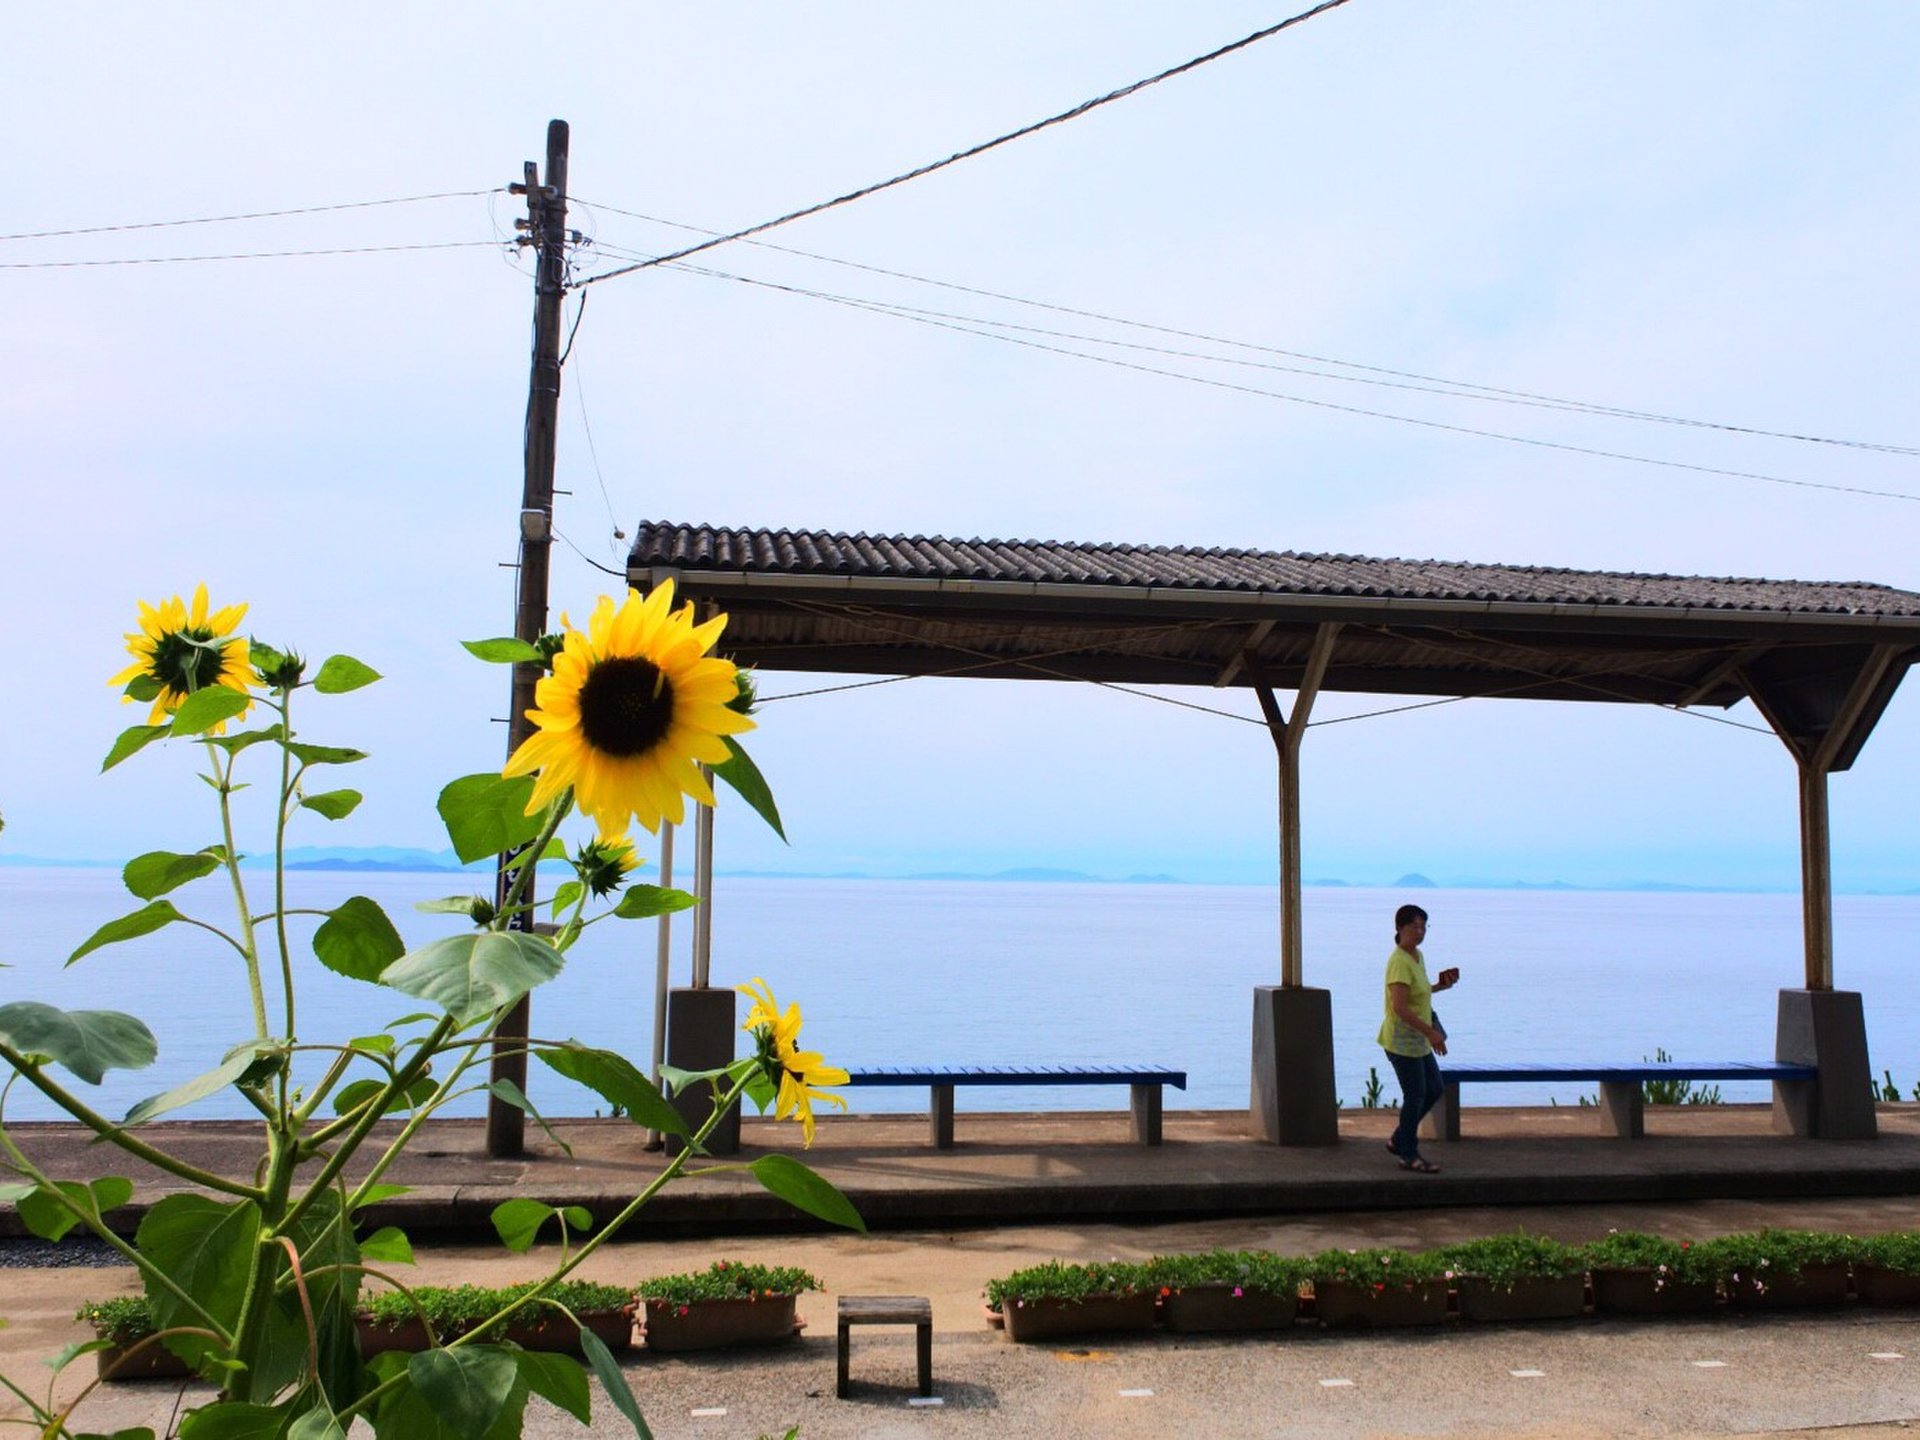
[908, 972]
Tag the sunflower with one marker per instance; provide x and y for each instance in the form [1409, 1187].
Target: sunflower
[632, 708]
[798, 1072]
[180, 649]
[604, 864]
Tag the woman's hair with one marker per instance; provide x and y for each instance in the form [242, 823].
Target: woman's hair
[1405, 916]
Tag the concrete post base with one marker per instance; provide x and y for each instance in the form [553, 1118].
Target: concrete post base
[1293, 1102]
[701, 1027]
[1828, 1029]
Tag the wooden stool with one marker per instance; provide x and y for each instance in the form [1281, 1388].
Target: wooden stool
[888, 1310]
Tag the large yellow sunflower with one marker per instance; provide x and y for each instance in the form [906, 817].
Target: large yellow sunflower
[799, 1073]
[632, 708]
[183, 648]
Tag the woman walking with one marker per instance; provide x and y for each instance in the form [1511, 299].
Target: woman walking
[1411, 1036]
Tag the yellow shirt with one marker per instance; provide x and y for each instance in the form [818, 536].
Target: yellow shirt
[1396, 1035]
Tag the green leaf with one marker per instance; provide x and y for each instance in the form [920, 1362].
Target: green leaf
[324, 754]
[341, 673]
[143, 921]
[208, 707]
[405, 1414]
[511, 1093]
[245, 739]
[607, 1370]
[557, 1379]
[569, 891]
[641, 902]
[227, 1072]
[447, 905]
[10, 1194]
[356, 1094]
[234, 1420]
[317, 1424]
[556, 850]
[504, 651]
[381, 1044]
[804, 1190]
[358, 940]
[87, 1042]
[131, 742]
[143, 688]
[335, 805]
[471, 976]
[486, 814]
[206, 1247]
[614, 1079]
[42, 1212]
[467, 1387]
[153, 874]
[387, 1246]
[67, 1354]
[376, 1193]
[739, 771]
[518, 1221]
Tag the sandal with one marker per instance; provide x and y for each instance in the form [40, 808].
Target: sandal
[1420, 1165]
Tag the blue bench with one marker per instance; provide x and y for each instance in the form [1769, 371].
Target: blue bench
[1144, 1082]
[1622, 1106]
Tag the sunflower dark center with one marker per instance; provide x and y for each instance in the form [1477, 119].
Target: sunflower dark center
[626, 706]
[187, 660]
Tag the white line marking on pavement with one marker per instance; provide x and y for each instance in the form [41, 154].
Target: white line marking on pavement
[1527, 1374]
[709, 1413]
[1885, 1355]
[1137, 1394]
[1711, 1364]
[1332, 1384]
[926, 1400]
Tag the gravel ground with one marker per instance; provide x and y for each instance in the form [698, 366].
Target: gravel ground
[75, 1250]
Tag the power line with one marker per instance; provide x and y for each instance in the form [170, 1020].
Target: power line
[922, 318]
[250, 215]
[242, 255]
[1078, 110]
[1465, 389]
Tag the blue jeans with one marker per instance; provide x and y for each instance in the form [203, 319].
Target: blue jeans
[1419, 1077]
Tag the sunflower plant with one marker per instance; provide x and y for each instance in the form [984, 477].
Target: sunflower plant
[254, 1278]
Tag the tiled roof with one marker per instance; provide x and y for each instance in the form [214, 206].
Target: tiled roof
[1180, 567]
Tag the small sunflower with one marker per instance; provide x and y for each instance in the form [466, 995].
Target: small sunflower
[180, 649]
[604, 864]
[798, 1073]
[633, 707]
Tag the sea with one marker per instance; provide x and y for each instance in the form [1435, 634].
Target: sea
[907, 972]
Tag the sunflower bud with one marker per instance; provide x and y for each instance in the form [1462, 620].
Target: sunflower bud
[746, 694]
[481, 911]
[604, 864]
[549, 646]
[278, 669]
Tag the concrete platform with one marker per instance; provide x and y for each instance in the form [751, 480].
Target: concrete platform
[1075, 1167]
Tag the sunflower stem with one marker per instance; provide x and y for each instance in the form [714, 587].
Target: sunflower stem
[557, 811]
[248, 945]
[285, 707]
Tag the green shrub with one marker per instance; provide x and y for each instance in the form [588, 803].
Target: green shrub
[1245, 1269]
[456, 1308]
[1059, 1280]
[1374, 1267]
[1898, 1251]
[1677, 1261]
[728, 1280]
[119, 1321]
[1752, 1259]
[1506, 1259]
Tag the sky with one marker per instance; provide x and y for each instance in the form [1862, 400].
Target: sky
[1704, 211]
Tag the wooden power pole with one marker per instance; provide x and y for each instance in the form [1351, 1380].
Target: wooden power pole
[546, 226]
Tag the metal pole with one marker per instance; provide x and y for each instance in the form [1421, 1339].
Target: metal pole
[662, 973]
[547, 232]
[703, 887]
[1816, 876]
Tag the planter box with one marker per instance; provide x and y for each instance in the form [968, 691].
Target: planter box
[1633, 1292]
[1815, 1285]
[1343, 1305]
[376, 1337]
[551, 1331]
[153, 1362]
[712, 1324]
[1529, 1299]
[1876, 1286]
[1199, 1309]
[1097, 1314]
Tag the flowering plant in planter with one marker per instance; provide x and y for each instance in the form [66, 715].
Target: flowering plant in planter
[1507, 1260]
[728, 1280]
[254, 1278]
[1770, 1265]
[1377, 1269]
[458, 1309]
[1062, 1280]
[1240, 1270]
[1898, 1251]
[1671, 1262]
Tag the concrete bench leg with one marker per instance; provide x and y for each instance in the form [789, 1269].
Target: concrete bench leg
[841, 1380]
[923, 1354]
[1623, 1108]
[942, 1117]
[1146, 1114]
[1443, 1120]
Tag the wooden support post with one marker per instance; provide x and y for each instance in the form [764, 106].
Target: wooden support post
[1144, 1114]
[1287, 732]
[1816, 876]
[941, 1117]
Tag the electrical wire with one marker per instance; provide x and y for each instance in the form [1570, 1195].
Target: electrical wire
[251, 215]
[242, 255]
[1465, 389]
[1078, 110]
[882, 308]
[567, 540]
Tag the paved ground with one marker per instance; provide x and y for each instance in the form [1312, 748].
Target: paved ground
[1832, 1375]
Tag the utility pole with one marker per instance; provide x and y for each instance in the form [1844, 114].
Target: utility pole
[546, 232]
